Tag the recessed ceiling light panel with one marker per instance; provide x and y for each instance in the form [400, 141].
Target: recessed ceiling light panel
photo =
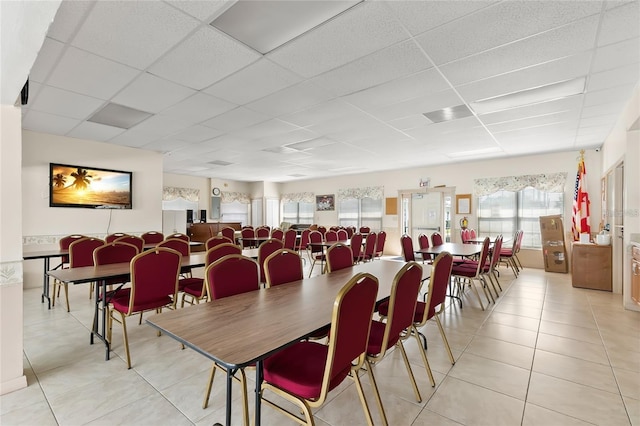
[119, 116]
[448, 114]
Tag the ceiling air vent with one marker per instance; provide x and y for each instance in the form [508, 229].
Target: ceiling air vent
[448, 114]
[119, 116]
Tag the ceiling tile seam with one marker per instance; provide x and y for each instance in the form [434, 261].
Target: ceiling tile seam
[81, 21]
[209, 18]
[527, 117]
[603, 11]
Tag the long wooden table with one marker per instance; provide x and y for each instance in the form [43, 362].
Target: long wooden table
[241, 330]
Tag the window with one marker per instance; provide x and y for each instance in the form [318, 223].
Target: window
[360, 212]
[504, 212]
[273, 213]
[235, 212]
[297, 212]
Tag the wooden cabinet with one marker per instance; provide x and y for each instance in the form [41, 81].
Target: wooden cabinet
[203, 231]
[591, 266]
[635, 274]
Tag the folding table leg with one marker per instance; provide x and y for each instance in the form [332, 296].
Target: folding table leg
[257, 414]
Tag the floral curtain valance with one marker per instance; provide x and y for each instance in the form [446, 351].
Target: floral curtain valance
[170, 193]
[549, 182]
[230, 197]
[375, 192]
[298, 197]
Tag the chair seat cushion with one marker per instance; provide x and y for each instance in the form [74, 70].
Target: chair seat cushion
[506, 252]
[463, 272]
[121, 304]
[182, 283]
[299, 369]
[119, 292]
[383, 310]
[194, 289]
[376, 335]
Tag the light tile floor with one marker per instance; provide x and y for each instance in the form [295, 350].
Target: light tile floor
[545, 354]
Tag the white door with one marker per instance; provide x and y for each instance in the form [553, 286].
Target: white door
[426, 214]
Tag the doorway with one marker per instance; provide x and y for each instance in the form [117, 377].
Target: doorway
[426, 212]
[614, 221]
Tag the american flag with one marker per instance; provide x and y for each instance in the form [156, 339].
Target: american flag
[580, 218]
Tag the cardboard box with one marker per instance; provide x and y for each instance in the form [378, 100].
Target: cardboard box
[555, 258]
[553, 248]
[551, 229]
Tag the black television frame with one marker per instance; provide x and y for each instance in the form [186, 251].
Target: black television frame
[92, 173]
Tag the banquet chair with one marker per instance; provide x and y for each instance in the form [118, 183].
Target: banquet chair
[133, 240]
[322, 230]
[197, 291]
[382, 238]
[436, 239]
[112, 237]
[397, 327]
[217, 240]
[464, 236]
[305, 372]
[290, 237]
[423, 243]
[520, 236]
[356, 247]
[247, 234]
[342, 235]
[154, 285]
[262, 232]
[267, 248]
[64, 244]
[472, 233]
[277, 234]
[339, 256]
[229, 233]
[407, 248]
[315, 252]
[334, 228]
[350, 231]
[231, 275]
[330, 236]
[80, 254]
[178, 235]
[495, 261]
[364, 230]
[283, 266]
[182, 246]
[507, 255]
[370, 247]
[472, 274]
[152, 237]
[303, 243]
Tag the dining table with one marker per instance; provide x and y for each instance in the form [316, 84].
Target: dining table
[480, 240]
[246, 328]
[323, 245]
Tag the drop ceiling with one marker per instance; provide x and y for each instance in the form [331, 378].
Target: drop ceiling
[352, 95]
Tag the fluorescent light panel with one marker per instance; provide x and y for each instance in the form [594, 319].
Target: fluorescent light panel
[448, 114]
[549, 92]
[266, 25]
[119, 116]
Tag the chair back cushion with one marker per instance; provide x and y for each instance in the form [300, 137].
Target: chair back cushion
[315, 237]
[179, 236]
[436, 239]
[350, 231]
[370, 246]
[472, 233]
[81, 252]
[277, 234]
[229, 232]
[290, 237]
[116, 252]
[382, 237]
[217, 240]
[339, 256]
[438, 283]
[497, 248]
[343, 235]
[112, 237]
[423, 241]
[356, 246]
[177, 244]
[152, 237]
[133, 240]
[407, 248]
[265, 250]
[365, 230]
[262, 232]
[220, 251]
[283, 266]
[304, 239]
[322, 230]
[154, 279]
[331, 236]
[65, 242]
[230, 275]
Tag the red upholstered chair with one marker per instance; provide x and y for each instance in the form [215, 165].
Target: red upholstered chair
[154, 285]
[370, 247]
[508, 255]
[472, 233]
[315, 251]
[304, 240]
[133, 240]
[152, 237]
[334, 228]
[112, 237]
[356, 247]
[464, 236]
[290, 237]
[197, 291]
[339, 256]
[228, 276]
[305, 372]
[436, 239]
[520, 236]
[182, 246]
[423, 243]
[63, 244]
[80, 254]
[262, 232]
[322, 230]
[178, 235]
[364, 230]
[277, 234]
[407, 248]
[350, 231]
[217, 240]
[283, 266]
[247, 234]
[331, 236]
[464, 272]
[343, 235]
[382, 238]
[399, 320]
[267, 248]
[230, 233]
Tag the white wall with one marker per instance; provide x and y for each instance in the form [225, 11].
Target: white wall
[43, 225]
[193, 182]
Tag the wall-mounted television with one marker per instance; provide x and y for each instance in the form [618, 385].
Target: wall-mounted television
[89, 187]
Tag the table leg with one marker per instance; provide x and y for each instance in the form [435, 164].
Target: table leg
[230, 373]
[45, 283]
[257, 414]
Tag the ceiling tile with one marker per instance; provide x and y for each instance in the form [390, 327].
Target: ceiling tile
[253, 82]
[601, 109]
[64, 103]
[83, 72]
[394, 62]
[620, 24]
[68, 18]
[320, 113]
[235, 119]
[46, 60]
[204, 58]
[196, 133]
[615, 77]
[617, 55]
[602, 120]
[198, 107]
[357, 32]
[267, 128]
[532, 122]
[572, 103]
[165, 145]
[112, 25]
[48, 123]
[94, 131]
[205, 11]
[290, 100]
[503, 23]
[444, 99]
[564, 41]
[616, 94]
[421, 16]
[535, 76]
[152, 94]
